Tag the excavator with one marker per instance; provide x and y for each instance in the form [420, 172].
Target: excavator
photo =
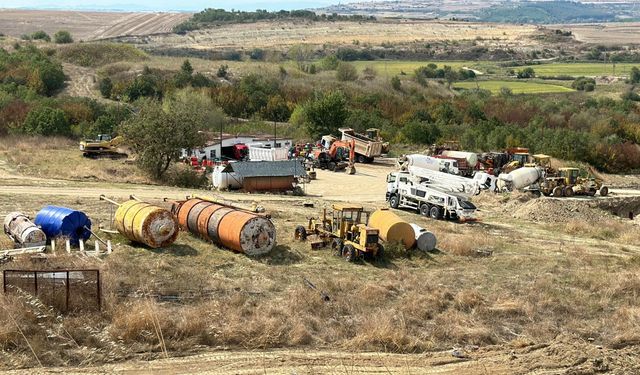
[102, 147]
[338, 157]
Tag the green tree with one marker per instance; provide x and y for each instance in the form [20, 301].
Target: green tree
[62, 37]
[526, 73]
[106, 86]
[46, 121]
[326, 114]
[186, 68]
[395, 83]
[346, 72]
[634, 76]
[329, 62]
[276, 109]
[420, 132]
[158, 132]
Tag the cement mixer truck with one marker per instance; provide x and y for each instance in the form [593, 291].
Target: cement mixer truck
[404, 190]
[523, 178]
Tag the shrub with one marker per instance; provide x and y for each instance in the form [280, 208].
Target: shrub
[257, 54]
[99, 54]
[105, 85]
[634, 76]
[526, 73]
[396, 83]
[420, 132]
[329, 62]
[62, 37]
[46, 121]
[41, 35]
[346, 72]
[584, 84]
[223, 71]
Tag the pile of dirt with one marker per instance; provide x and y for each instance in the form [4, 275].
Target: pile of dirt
[557, 210]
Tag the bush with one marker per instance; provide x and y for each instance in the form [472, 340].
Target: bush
[257, 54]
[526, 73]
[634, 77]
[41, 35]
[420, 132]
[329, 62]
[584, 84]
[46, 121]
[105, 85]
[223, 71]
[62, 37]
[99, 54]
[346, 72]
[396, 83]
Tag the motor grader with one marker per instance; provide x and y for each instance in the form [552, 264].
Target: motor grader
[567, 183]
[345, 230]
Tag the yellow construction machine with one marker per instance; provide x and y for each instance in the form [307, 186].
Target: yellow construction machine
[567, 183]
[102, 147]
[345, 230]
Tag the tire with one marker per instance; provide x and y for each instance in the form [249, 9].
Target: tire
[424, 209]
[557, 192]
[394, 202]
[349, 253]
[300, 233]
[604, 191]
[568, 191]
[435, 213]
[361, 159]
[380, 253]
[331, 166]
[336, 246]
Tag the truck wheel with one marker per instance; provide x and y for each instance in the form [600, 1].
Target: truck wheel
[393, 201]
[424, 209]
[336, 246]
[604, 191]
[567, 191]
[300, 233]
[557, 192]
[349, 253]
[435, 213]
[331, 166]
[361, 159]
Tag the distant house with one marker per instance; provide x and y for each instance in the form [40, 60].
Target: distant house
[267, 175]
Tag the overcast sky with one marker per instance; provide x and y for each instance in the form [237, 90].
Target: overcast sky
[167, 5]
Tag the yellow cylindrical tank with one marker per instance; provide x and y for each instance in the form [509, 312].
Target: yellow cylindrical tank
[392, 228]
[147, 224]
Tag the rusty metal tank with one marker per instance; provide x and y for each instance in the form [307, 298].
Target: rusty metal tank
[23, 231]
[226, 226]
[145, 223]
[392, 228]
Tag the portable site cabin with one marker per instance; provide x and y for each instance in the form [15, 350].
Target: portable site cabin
[267, 175]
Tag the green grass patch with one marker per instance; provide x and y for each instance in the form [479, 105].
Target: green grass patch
[99, 54]
[393, 68]
[517, 87]
[581, 69]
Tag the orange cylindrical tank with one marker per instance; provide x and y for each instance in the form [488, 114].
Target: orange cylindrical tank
[392, 228]
[229, 227]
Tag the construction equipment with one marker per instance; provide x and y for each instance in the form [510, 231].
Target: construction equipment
[239, 152]
[567, 183]
[102, 147]
[444, 181]
[520, 178]
[346, 230]
[374, 133]
[366, 149]
[518, 158]
[338, 157]
[405, 190]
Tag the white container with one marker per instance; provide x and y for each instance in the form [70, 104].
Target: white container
[472, 158]
[225, 180]
[519, 178]
[425, 240]
[268, 154]
[428, 162]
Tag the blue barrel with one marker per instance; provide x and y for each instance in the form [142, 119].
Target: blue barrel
[64, 222]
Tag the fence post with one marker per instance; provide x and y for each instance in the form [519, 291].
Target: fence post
[68, 245]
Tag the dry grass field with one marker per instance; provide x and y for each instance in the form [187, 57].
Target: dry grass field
[536, 285]
[285, 34]
[87, 25]
[606, 33]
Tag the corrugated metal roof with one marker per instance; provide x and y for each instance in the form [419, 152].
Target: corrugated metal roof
[268, 168]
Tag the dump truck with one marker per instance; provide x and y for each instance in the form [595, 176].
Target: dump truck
[366, 149]
[374, 133]
[104, 146]
[404, 191]
[345, 230]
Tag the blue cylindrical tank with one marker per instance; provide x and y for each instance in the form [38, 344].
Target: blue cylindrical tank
[61, 221]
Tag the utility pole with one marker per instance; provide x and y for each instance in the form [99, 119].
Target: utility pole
[274, 133]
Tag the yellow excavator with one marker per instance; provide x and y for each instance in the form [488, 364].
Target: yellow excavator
[102, 147]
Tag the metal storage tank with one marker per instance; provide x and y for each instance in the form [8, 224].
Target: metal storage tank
[225, 180]
[472, 158]
[61, 221]
[392, 228]
[23, 231]
[425, 240]
[226, 226]
[145, 223]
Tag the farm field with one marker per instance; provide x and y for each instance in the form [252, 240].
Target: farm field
[613, 33]
[517, 87]
[582, 69]
[390, 68]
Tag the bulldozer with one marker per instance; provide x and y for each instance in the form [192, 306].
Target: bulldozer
[102, 147]
[345, 230]
[567, 183]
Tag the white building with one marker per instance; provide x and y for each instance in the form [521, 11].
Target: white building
[212, 150]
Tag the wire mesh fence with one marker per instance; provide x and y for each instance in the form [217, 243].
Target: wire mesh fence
[64, 290]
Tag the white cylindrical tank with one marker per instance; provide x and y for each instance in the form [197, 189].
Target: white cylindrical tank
[225, 180]
[23, 231]
[418, 160]
[519, 178]
[472, 158]
[425, 240]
